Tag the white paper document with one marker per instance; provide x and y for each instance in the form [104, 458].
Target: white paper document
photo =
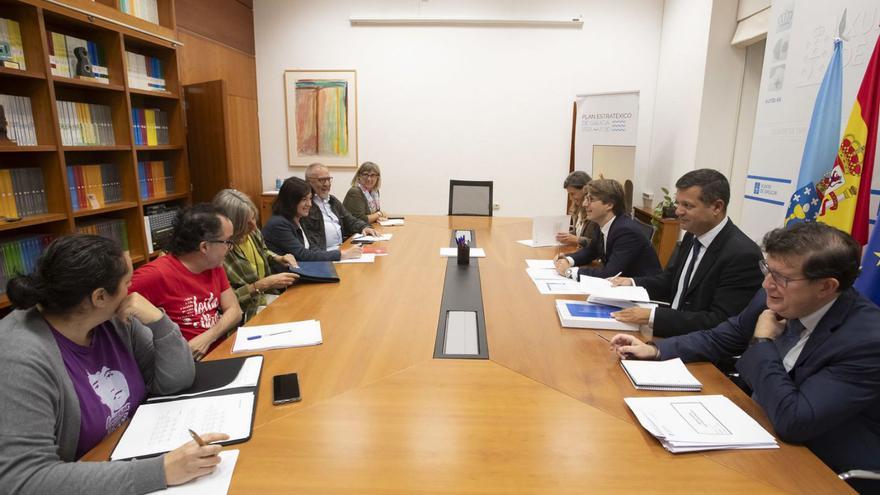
[453, 252]
[278, 336]
[548, 281]
[382, 237]
[622, 296]
[164, 426]
[364, 258]
[699, 422]
[541, 264]
[545, 228]
[391, 222]
[248, 376]
[669, 375]
[216, 483]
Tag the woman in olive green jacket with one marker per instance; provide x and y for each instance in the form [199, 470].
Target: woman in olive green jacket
[362, 200]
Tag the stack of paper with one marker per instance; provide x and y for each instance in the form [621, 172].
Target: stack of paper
[278, 336]
[670, 375]
[621, 296]
[549, 282]
[391, 222]
[692, 423]
[364, 258]
[544, 230]
[580, 314]
[373, 238]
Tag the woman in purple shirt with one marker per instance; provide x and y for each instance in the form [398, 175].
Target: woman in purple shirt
[77, 357]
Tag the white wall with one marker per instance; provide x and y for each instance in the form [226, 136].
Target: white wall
[485, 103]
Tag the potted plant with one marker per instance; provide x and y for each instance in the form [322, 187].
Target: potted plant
[666, 207]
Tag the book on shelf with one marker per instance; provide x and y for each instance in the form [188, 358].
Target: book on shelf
[110, 228]
[155, 179]
[19, 256]
[150, 126]
[158, 224]
[19, 115]
[145, 72]
[147, 10]
[85, 124]
[93, 186]
[11, 46]
[63, 60]
[22, 192]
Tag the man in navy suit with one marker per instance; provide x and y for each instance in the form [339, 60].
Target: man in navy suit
[810, 347]
[714, 273]
[621, 246]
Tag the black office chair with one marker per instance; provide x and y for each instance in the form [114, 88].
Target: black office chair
[470, 197]
[647, 229]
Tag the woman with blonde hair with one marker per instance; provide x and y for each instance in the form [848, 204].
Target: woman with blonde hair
[249, 264]
[362, 200]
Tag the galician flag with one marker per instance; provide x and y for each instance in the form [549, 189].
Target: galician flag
[868, 282]
[845, 190]
[820, 149]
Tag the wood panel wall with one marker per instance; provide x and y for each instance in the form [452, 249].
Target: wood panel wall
[218, 38]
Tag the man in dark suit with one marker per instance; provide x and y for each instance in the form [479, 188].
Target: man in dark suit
[329, 223]
[715, 271]
[810, 347]
[621, 246]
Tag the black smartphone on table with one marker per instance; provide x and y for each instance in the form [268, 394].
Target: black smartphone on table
[286, 389]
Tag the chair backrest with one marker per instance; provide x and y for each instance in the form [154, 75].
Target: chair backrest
[470, 197]
[647, 228]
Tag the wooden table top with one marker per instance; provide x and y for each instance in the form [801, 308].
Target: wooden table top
[545, 413]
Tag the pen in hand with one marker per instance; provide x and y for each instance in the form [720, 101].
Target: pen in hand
[195, 436]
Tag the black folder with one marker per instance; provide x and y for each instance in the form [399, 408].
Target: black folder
[316, 271]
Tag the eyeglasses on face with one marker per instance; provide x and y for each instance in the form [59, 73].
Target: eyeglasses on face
[323, 180]
[228, 242]
[370, 175]
[778, 278]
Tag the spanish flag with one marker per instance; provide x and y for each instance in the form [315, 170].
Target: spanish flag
[845, 190]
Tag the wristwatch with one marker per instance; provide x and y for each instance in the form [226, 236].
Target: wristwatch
[757, 340]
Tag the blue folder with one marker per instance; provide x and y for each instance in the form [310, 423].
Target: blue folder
[590, 310]
[316, 271]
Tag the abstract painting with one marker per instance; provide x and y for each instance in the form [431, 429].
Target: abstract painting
[321, 111]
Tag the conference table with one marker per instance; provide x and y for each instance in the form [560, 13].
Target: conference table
[543, 414]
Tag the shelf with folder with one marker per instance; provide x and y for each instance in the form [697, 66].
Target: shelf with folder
[26, 74]
[42, 148]
[78, 105]
[85, 83]
[112, 147]
[166, 198]
[158, 147]
[167, 67]
[155, 94]
[29, 30]
[36, 94]
[64, 33]
[32, 220]
[157, 121]
[110, 207]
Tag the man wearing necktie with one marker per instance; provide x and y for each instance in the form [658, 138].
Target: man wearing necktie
[810, 346]
[713, 274]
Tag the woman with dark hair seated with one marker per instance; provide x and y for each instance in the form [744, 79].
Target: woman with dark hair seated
[619, 245]
[582, 230]
[283, 232]
[77, 356]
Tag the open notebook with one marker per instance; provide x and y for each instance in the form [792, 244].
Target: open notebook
[669, 375]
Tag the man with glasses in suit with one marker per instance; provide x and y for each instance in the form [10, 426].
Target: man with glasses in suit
[810, 346]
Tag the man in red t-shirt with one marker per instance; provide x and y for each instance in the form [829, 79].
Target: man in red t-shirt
[189, 284]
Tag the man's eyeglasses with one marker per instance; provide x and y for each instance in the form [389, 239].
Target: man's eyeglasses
[229, 243]
[780, 279]
[323, 180]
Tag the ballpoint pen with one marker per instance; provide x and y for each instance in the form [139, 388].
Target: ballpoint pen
[255, 337]
[195, 436]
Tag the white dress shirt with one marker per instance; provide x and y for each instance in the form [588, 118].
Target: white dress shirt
[605, 229]
[705, 241]
[332, 228]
